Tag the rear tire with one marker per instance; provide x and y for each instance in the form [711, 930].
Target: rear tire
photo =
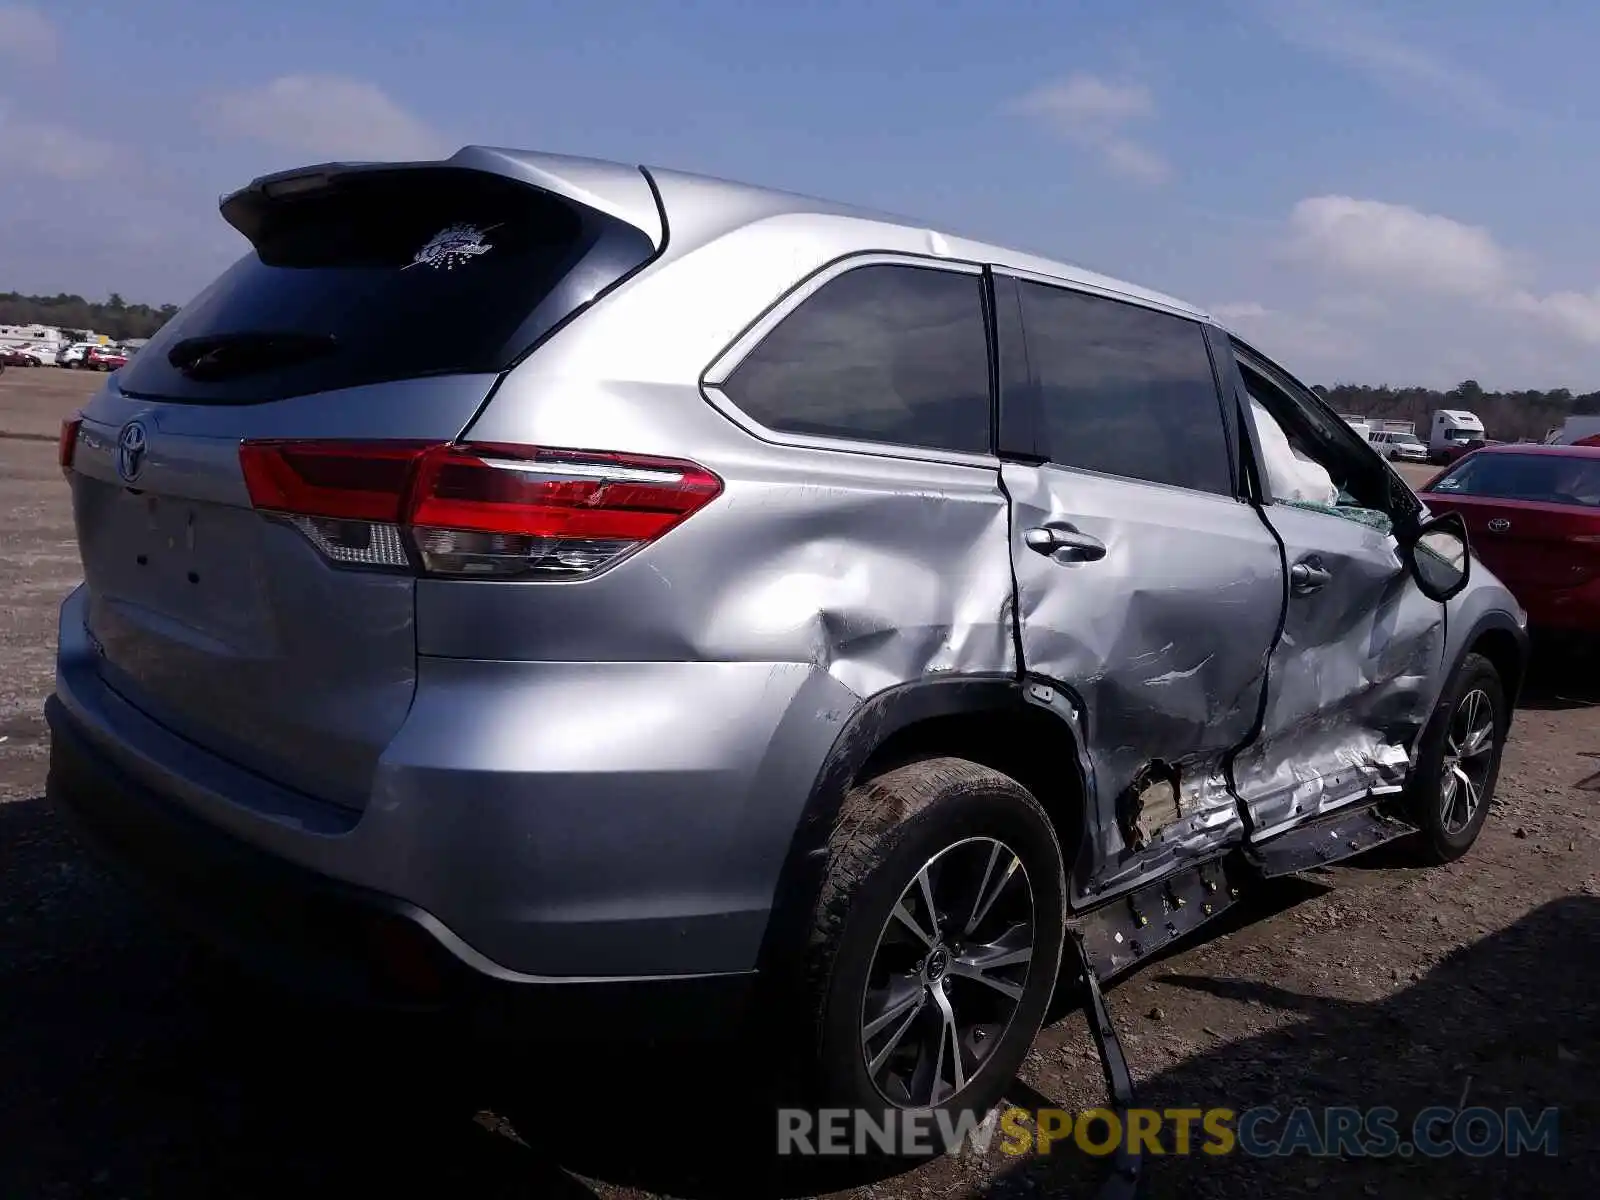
[936, 940]
[1458, 763]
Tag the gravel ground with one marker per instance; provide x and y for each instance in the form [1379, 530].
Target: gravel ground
[130, 1066]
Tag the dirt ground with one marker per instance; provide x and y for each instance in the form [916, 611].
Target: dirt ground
[131, 1067]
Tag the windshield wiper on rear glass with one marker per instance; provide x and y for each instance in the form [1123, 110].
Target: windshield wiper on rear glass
[231, 355]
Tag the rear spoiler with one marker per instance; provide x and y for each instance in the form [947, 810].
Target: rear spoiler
[624, 192]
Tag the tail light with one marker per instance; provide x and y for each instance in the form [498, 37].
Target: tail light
[67, 445]
[473, 510]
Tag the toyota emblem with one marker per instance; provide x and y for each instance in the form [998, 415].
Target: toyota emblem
[131, 445]
[1499, 525]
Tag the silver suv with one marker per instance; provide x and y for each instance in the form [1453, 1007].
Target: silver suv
[528, 585]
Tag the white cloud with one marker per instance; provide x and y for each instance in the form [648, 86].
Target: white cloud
[1239, 310]
[1308, 344]
[27, 35]
[34, 146]
[1379, 291]
[1087, 100]
[1094, 113]
[1573, 314]
[329, 116]
[1345, 33]
[1398, 246]
[1404, 251]
[1130, 159]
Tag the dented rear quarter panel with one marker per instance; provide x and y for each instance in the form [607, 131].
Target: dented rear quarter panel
[847, 569]
[876, 565]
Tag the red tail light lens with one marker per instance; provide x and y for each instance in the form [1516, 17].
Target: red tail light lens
[67, 446]
[473, 510]
[351, 481]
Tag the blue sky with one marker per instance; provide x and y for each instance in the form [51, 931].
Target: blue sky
[1377, 192]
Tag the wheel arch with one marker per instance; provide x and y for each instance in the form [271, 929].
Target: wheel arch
[987, 719]
[1498, 637]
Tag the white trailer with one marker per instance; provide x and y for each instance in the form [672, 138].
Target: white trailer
[1359, 424]
[1452, 427]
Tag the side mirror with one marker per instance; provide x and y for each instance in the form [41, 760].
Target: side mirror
[1439, 557]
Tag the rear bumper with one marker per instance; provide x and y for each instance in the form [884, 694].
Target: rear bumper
[557, 820]
[338, 941]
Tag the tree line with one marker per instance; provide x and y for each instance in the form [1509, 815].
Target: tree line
[1506, 416]
[114, 316]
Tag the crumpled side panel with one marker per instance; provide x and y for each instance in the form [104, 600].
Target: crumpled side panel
[879, 570]
[1207, 817]
[1164, 641]
[875, 587]
[1352, 680]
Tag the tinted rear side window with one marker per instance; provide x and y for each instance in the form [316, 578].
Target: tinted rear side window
[891, 354]
[382, 275]
[1125, 390]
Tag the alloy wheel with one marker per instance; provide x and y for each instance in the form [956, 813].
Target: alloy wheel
[1468, 759]
[948, 973]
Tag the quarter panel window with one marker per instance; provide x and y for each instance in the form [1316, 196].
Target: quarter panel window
[1125, 390]
[883, 353]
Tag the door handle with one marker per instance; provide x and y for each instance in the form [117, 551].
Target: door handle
[1064, 543]
[1308, 576]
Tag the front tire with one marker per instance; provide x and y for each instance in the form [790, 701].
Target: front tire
[936, 941]
[1459, 762]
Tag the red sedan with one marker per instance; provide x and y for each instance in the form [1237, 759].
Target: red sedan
[1533, 514]
[104, 359]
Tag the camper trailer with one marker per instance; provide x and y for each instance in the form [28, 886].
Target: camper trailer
[1453, 430]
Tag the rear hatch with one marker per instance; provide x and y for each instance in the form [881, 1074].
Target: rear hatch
[370, 322]
[1533, 518]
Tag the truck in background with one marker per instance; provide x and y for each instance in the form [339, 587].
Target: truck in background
[1455, 431]
[1393, 427]
[1395, 440]
[1398, 445]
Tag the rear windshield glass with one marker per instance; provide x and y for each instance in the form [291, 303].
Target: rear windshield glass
[1547, 478]
[382, 275]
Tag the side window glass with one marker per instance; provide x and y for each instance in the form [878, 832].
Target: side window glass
[1125, 390]
[1302, 468]
[1290, 463]
[892, 354]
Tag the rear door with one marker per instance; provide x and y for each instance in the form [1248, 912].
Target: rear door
[376, 308]
[1148, 589]
[1356, 668]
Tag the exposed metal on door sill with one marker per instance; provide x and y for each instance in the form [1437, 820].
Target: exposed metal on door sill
[1319, 843]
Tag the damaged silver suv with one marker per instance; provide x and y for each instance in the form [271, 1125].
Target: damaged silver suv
[525, 585]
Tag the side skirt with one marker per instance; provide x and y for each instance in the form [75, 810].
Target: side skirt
[1118, 935]
[1328, 839]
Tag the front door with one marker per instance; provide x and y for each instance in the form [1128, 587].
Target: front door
[1355, 671]
[1148, 590]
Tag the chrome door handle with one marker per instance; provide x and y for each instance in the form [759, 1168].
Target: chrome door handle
[1308, 576]
[1064, 543]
